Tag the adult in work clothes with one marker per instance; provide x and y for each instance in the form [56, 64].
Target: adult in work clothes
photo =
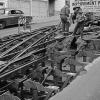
[64, 14]
[78, 16]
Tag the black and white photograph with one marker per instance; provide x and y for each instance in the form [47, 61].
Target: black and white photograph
[49, 50]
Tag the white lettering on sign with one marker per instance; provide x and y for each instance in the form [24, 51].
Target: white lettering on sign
[86, 5]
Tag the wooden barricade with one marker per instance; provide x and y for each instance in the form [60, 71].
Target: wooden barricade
[25, 22]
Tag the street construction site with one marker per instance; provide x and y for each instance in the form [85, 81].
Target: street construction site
[37, 65]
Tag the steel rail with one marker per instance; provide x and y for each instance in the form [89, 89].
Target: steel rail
[20, 44]
[16, 69]
[14, 36]
[36, 48]
[3, 68]
[37, 42]
[22, 36]
[41, 45]
[9, 56]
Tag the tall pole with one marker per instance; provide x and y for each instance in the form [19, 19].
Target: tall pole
[48, 8]
[30, 7]
[20, 4]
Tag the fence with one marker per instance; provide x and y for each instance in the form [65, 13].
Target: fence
[24, 22]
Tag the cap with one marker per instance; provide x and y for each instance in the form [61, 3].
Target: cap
[76, 8]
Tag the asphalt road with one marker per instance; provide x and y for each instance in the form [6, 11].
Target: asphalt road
[14, 30]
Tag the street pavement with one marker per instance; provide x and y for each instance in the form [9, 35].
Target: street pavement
[14, 30]
[85, 87]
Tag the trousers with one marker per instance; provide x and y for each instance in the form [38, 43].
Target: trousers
[79, 28]
[65, 24]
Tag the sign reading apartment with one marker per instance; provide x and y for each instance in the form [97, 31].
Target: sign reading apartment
[86, 5]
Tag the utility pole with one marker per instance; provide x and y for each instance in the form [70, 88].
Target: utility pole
[30, 7]
[20, 4]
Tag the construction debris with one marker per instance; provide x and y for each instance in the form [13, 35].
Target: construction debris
[38, 64]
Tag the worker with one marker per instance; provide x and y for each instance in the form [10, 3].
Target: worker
[54, 49]
[58, 47]
[89, 16]
[64, 14]
[79, 19]
[57, 57]
[76, 9]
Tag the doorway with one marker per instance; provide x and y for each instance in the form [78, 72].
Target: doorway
[51, 7]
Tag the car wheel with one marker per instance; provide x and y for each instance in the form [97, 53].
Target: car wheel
[2, 25]
[98, 23]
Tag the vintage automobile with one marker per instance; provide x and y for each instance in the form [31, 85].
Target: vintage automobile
[10, 17]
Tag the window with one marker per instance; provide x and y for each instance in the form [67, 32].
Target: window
[19, 12]
[2, 11]
[1, 3]
[13, 12]
[16, 12]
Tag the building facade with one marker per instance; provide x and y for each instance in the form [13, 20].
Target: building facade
[3, 3]
[58, 5]
[36, 8]
[30, 7]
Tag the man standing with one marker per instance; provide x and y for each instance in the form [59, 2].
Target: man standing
[64, 14]
[78, 16]
[76, 9]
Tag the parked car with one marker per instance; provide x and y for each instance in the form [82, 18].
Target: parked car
[10, 17]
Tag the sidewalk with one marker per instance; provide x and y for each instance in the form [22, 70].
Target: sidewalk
[39, 24]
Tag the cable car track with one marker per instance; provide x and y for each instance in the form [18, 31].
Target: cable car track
[35, 52]
[7, 72]
[38, 49]
[20, 37]
[20, 54]
[25, 43]
[9, 41]
[43, 39]
[13, 37]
